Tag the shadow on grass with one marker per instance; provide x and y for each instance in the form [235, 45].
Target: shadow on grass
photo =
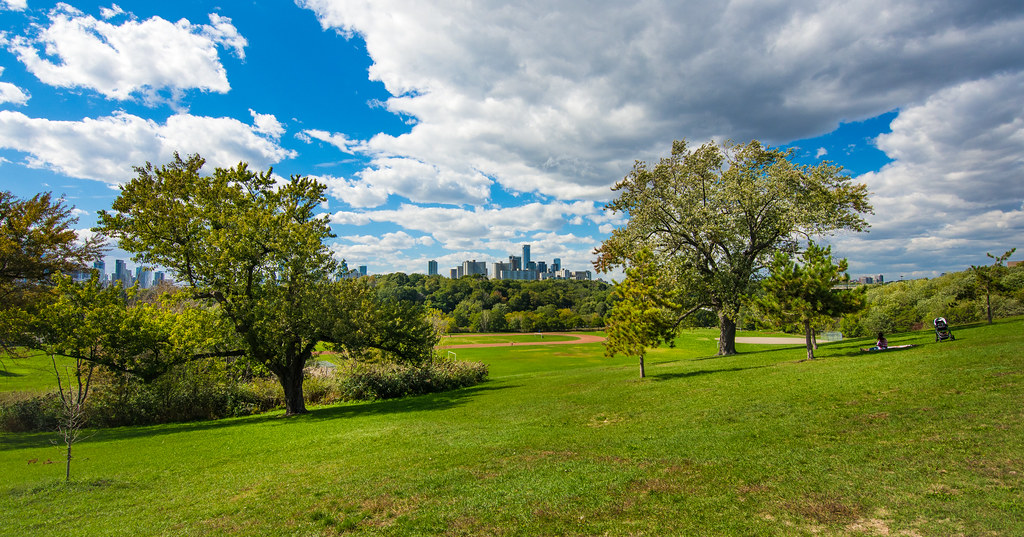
[6, 373]
[689, 374]
[422, 403]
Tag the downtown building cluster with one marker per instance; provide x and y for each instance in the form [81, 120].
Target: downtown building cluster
[122, 275]
[515, 268]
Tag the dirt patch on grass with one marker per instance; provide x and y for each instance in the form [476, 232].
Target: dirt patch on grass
[580, 338]
[825, 509]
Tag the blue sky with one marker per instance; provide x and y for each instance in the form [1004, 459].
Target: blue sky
[462, 131]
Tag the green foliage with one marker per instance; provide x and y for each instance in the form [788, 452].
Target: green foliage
[256, 249]
[482, 305]
[641, 316]
[802, 293]
[913, 304]
[989, 279]
[37, 241]
[715, 216]
[367, 381]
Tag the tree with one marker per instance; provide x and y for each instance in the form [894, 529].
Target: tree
[714, 217]
[256, 249]
[800, 293]
[641, 316]
[989, 279]
[99, 326]
[37, 240]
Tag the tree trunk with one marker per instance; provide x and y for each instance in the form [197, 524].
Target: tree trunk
[291, 381]
[809, 337]
[814, 338]
[726, 335]
[642, 374]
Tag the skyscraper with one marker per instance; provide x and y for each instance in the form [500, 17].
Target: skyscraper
[362, 270]
[526, 255]
[432, 268]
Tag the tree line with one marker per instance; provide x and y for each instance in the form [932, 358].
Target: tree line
[478, 304]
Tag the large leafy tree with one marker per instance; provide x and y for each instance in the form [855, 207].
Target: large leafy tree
[256, 249]
[37, 240]
[799, 293]
[715, 216]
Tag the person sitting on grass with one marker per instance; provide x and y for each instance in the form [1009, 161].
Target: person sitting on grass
[882, 343]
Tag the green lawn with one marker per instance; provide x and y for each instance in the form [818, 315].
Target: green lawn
[562, 441]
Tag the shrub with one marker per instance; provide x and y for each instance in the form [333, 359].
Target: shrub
[32, 412]
[361, 381]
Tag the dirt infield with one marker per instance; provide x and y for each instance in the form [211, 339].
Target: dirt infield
[580, 338]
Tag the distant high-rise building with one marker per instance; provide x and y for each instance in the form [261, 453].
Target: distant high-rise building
[362, 270]
[526, 256]
[474, 267]
[542, 267]
[500, 271]
[121, 274]
[158, 278]
[515, 262]
[144, 276]
[456, 273]
[101, 267]
[556, 265]
[432, 268]
[880, 279]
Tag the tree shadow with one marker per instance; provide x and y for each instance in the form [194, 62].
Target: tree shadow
[6, 373]
[422, 403]
[689, 374]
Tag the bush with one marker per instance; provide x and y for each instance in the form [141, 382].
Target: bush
[201, 391]
[33, 412]
[361, 381]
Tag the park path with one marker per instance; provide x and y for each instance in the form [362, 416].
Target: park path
[580, 338]
[771, 340]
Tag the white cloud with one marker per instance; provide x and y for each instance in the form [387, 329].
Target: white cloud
[9, 93]
[111, 12]
[267, 124]
[477, 228]
[106, 148]
[355, 193]
[338, 140]
[560, 98]
[821, 152]
[15, 5]
[135, 58]
[955, 189]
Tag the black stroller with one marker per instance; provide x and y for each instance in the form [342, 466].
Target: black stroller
[942, 331]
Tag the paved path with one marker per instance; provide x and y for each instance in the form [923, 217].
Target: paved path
[580, 338]
[771, 340]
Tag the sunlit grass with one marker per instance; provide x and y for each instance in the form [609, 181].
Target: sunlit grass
[561, 440]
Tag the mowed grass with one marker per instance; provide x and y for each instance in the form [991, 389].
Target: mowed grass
[563, 441]
[473, 339]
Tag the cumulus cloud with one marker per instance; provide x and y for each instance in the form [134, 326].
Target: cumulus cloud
[106, 148]
[14, 5]
[561, 98]
[477, 228]
[129, 60]
[9, 93]
[955, 188]
[821, 152]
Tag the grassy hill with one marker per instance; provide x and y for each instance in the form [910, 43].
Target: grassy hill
[919, 442]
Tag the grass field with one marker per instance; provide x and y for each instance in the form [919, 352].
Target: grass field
[562, 441]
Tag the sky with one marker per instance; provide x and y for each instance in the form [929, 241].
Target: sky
[455, 131]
